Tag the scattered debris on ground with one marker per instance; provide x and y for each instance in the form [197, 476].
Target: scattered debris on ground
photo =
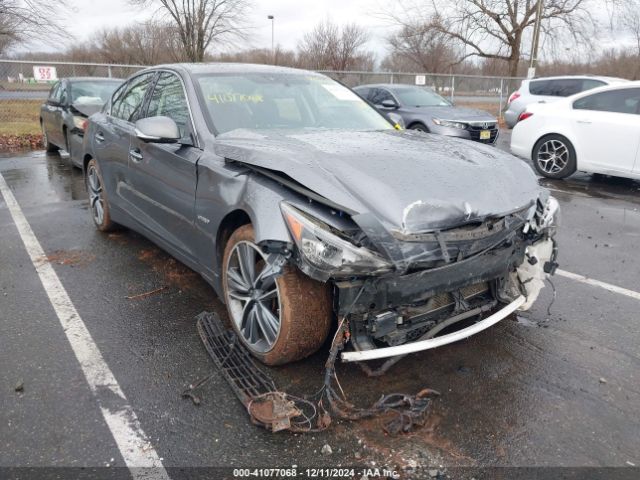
[275, 410]
[147, 294]
[19, 386]
[172, 271]
[71, 258]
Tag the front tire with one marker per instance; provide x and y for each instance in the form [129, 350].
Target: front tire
[280, 319]
[554, 157]
[48, 146]
[97, 198]
[419, 128]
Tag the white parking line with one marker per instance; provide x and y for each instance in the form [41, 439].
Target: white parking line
[123, 422]
[598, 283]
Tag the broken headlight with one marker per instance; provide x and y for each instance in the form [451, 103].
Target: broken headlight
[545, 218]
[327, 252]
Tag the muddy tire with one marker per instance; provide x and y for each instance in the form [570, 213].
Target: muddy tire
[98, 204]
[48, 146]
[301, 306]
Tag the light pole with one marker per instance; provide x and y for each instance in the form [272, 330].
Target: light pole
[536, 40]
[273, 49]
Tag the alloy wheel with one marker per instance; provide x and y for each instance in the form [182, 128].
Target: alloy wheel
[253, 296]
[96, 196]
[553, 156]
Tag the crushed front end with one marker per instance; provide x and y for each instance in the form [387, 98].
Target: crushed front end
[401, 289]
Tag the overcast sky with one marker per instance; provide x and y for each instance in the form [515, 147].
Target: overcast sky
[292, 19]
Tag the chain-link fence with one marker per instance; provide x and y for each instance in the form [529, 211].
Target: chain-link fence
[489, 93]
[25, 85]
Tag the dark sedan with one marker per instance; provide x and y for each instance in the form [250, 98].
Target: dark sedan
[302, 206]
[63, 115]
[423, 109]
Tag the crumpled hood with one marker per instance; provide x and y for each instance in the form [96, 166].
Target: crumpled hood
[409, 181]
[453, 113]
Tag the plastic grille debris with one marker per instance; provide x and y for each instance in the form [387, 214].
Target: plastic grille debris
[275, 410]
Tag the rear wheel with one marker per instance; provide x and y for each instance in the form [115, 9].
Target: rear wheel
[280, 319]
[49, 147]
[554, 157]
[97, 199]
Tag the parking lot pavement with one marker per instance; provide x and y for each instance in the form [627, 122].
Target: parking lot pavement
[545, 389]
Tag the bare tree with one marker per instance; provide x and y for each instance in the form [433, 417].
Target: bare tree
[199, 22]
[147, 43]
[25, 20]
[629, 20]
[495, 29]
[423, 46]
[331, 47]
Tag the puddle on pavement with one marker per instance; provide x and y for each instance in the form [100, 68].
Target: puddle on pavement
[45, 179]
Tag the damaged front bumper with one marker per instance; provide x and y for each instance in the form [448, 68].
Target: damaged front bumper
[377, 353]
[418, 306]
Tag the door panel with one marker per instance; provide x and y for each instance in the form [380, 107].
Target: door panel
[161, 186]
[112, 137]
[161, 181]
[608, 129]
[49, 110]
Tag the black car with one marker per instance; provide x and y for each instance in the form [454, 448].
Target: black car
[63, 115]
[300, 204]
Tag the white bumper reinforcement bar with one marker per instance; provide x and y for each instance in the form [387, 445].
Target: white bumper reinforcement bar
[358, 356]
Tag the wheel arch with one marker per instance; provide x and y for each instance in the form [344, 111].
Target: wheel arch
[417, 122]
[229, 224]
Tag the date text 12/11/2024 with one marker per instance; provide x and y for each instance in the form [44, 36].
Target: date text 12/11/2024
[294, 472]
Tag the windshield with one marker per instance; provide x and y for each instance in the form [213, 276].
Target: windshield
[93, 92]
[284, 101]
[420, 97]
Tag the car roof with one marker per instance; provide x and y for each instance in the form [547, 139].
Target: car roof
[223, 67]
[91, 79]
[592, 77]
[390, 86]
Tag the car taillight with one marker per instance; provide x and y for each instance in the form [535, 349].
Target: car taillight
[85, 124]
[514, 96]
[524, 116]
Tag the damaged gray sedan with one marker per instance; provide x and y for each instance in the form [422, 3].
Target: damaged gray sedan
[301, 205]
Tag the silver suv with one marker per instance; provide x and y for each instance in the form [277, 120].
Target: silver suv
[550, 89]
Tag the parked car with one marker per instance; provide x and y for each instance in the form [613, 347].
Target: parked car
[424, 110]
[596, 131]
[70, 102]
[299, 203]
[549, 90]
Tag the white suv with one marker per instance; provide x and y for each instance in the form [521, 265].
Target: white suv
[550, 89]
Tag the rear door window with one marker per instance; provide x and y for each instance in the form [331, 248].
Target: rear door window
[563, 87]
[128, 105]
[588, 84]
[625, 100]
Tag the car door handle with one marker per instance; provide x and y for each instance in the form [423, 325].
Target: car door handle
[135, 155]
[99, 137]
[584, 121]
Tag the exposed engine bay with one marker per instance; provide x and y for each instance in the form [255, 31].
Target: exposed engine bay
[441, 278]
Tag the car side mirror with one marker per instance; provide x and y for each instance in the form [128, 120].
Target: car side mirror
[389, 104]
[158, 129]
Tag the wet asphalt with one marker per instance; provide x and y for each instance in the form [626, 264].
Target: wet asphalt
[556, 386]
